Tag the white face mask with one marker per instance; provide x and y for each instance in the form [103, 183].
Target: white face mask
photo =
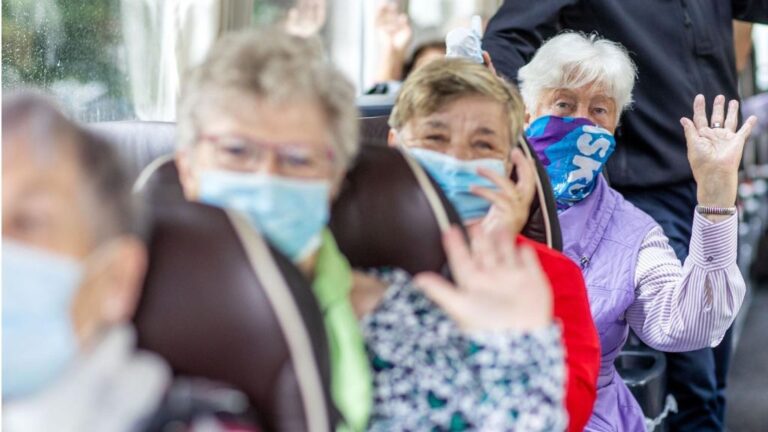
[39, 339]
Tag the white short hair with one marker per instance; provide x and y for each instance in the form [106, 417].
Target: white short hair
[572, 60]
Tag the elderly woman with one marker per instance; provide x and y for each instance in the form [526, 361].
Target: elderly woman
[269, 130]
[575, 89]
[73, 266]
[462, 123]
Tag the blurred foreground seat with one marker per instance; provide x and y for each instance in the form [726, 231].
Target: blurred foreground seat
[220, 304]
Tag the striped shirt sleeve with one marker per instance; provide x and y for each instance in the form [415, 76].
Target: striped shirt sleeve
[689, 306]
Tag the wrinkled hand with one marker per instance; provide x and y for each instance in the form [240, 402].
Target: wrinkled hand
[715, 152]
[499, 286]
[511, 203]
[307, 18]
[392, 28]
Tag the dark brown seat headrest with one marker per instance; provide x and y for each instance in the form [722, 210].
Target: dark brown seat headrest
[218, 303]
[391, 214]
[374, 130]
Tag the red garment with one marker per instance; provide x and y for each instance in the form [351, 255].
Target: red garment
[582, 346]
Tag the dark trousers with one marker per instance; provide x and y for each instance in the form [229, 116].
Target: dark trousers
[696, 378]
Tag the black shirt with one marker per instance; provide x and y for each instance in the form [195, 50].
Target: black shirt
[681, 48]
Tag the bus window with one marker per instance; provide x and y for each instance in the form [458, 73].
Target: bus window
[72, 49]
[125, 59]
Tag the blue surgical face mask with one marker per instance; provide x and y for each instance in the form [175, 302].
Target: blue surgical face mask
[574, 151]
[39, 340]
[290, 213]
[456, 178]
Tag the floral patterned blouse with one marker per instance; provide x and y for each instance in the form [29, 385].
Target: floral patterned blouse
[429, 376]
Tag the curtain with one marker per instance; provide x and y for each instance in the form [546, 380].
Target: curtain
[165, 38]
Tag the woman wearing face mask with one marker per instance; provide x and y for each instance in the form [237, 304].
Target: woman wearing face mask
[575, 88]
[460, 122]
[73, 269]
[269, 130]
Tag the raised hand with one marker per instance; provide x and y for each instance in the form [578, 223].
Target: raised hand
[499, 286]
[715, 150]
[393, 28]
[512, 201]
[307, 18]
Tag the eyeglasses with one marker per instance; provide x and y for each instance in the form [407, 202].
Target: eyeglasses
[235, 153]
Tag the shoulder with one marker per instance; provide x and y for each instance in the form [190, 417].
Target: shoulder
[631, 213]
[630, 225]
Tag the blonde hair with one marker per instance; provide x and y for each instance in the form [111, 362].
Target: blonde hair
[571, 60]
[441, 82]
[270, 64]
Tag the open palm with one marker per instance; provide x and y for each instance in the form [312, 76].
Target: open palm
[393, 28]
[307, 18]
[715, 150]
[498, 285]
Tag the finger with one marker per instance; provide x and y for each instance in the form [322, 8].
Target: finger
[503, 201]
[402, 22]
[459, 257]
[502, 182]
[483, 252]
[732, 119]
[313, 11]
[293, 15]
[689, 128]
[381, 12]
[505, 246]
[700, 112]
[718, 112]
[746, 128]
[440, 291]
[385, 12]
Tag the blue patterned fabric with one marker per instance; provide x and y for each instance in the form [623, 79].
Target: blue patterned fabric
[574, 151]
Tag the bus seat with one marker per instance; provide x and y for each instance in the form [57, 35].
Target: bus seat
[644, 371]
[390, 213]
[374, 130]
[543, 224]
[138, 142]
[375, 105]
[219, 304]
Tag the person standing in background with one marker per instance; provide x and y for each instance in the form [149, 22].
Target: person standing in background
[681, 48]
